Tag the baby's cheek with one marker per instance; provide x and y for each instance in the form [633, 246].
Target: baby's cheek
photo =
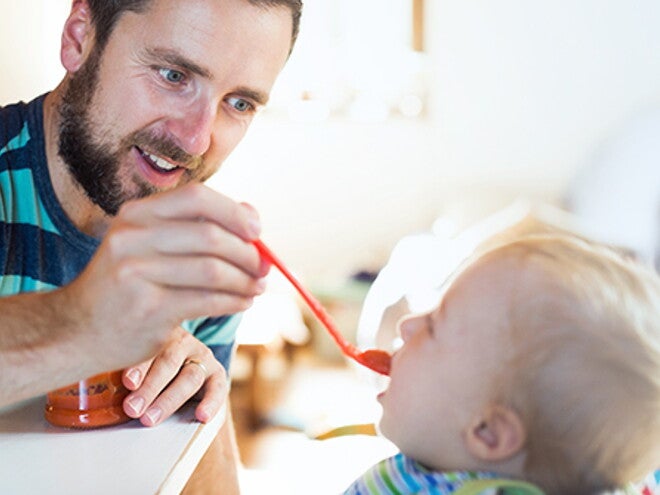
[391, 425]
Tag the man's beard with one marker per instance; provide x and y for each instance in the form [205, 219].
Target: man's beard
[95, 164]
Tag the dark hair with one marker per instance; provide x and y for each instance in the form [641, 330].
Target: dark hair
[106, 13]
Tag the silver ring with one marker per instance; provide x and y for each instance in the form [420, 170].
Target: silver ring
[197, 363]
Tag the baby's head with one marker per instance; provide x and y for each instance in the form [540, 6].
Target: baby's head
[541, 361]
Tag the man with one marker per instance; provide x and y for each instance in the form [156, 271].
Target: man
[102, 202]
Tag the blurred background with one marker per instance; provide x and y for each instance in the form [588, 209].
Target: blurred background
[397, 121]
[393, 114]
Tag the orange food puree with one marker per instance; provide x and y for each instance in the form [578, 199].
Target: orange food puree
[89, 403]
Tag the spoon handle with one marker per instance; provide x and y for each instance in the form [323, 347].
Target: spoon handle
[312, 302]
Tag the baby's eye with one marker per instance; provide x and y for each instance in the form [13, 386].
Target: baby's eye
[240, 104]
[171, 75]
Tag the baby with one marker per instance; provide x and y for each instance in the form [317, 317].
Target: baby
[540, 367]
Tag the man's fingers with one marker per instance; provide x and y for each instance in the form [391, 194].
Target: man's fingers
[194, 272]
[185, 237]
[184, 367]
[191, 202]
[161, 372]
[203, 239]
[191, 378]
[208, 239]
[214, 396]
[133, 376]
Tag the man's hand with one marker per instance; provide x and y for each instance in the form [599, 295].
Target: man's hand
[183, 369]
[165, 258]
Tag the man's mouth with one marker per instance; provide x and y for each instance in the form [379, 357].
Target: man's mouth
[158, 163]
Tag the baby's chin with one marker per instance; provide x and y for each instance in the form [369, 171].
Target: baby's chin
[390, 426]
[379, 430]
[383, 431]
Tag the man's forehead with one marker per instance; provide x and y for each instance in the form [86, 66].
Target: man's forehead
[213, 40]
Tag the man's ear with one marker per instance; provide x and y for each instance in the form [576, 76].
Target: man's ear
[77, 36]
[497, 434]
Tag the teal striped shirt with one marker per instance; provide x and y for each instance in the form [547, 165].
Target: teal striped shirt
[40, 248]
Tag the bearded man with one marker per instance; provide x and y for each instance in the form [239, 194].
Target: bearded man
[114, 254]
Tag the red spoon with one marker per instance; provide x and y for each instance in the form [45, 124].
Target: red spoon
[374, 359]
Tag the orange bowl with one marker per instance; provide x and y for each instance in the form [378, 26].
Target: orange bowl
[90, 403]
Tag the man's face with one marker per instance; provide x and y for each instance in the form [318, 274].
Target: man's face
[170, 96]
[443, 375]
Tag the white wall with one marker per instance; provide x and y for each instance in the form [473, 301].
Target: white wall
[523, 92]
[524, 88]
[29, 47]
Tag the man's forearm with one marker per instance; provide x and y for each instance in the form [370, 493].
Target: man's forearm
[39, 350]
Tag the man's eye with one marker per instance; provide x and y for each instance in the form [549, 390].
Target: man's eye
[240, 104]
[171, 75]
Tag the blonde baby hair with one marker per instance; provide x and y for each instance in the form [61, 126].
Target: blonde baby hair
[584, 372]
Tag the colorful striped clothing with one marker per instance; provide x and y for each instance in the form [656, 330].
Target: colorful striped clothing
[651, 485]
[40, 248]
[400, 475]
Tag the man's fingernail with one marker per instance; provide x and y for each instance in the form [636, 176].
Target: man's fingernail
[202, 415]
[254, 224]
[264, 267]
[136, 404]
[134, 376]
[255, 227]
[261, 286]
[153, 414]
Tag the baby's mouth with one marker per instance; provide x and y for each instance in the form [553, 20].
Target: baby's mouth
[158, 163]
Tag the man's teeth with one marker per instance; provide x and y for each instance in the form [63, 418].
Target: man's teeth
[161, 162]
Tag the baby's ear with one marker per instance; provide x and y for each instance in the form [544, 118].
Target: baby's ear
[496, 435]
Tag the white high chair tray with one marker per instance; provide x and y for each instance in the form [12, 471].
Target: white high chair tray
[36, 457]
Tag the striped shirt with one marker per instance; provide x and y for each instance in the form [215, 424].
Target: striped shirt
[401, 475]
[40, 248]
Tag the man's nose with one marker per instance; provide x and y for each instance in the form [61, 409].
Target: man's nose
[194, 127]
